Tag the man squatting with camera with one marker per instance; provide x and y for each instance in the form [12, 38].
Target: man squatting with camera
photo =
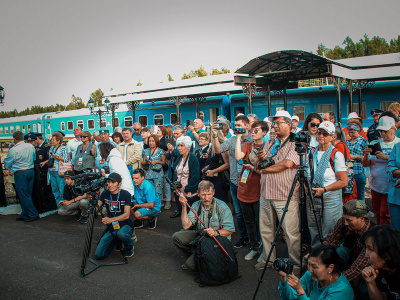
[118, 222]
[215, 214]
[277, 176]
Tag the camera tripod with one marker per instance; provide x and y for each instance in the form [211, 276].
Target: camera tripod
[301, 177]
[89, 234]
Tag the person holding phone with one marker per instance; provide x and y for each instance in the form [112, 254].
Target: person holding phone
[378, 161]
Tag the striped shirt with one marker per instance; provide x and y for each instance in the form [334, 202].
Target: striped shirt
[276, 186]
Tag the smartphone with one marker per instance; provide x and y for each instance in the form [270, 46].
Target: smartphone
[169, 140]
[375, 147]
[189, 123]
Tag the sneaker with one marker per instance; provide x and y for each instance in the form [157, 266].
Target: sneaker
[184, 267]
[241, 243]
[162, 203]
[83, 220]
[129, 253]
[153, 223]
[251, 255]
[138, 224]
[260, 265]
[167, 205]
[78, 217]
[134, 237]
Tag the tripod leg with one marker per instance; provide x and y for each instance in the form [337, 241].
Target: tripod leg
[88, 240]
[309, 187]
[273, 243]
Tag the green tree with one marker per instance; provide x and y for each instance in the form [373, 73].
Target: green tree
[97, 97]
[139, 83]
[170, 77]
[217, 72]
[185, 76]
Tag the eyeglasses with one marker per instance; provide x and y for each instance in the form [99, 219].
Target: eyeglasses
[324, 133]
[255, 131]
[82, 136]
[314, 124]
[202, 139]
[278, 123]
[137, 129]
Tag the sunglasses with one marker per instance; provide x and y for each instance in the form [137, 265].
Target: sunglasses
[324, 133]
[137, 129]
[314, 124]
[82, 136]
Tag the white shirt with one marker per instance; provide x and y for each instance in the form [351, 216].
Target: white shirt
[72, 146]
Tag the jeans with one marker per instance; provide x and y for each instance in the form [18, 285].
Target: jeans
[251, 212]
[57, 184]
[107, 243]
[394, 211]
[24, 187]
[360, 182]
[238, 212]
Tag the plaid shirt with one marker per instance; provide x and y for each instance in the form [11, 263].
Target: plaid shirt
[357, 148]
[341, 236]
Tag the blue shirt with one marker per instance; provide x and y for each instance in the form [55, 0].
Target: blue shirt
[147, 193]
[137, 138]
[20, 157]
[393, 164]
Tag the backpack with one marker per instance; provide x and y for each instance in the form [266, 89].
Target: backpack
[215, 267]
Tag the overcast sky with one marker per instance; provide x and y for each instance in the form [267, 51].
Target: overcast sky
[52, 49]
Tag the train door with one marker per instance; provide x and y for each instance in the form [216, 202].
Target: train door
[239, 110]
[214, 112]
[39, 126]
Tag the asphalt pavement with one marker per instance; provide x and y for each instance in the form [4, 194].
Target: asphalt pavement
[42, 260]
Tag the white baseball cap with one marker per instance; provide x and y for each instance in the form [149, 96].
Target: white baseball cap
[296, 118]
[280, 113]
[385, 123]
[328, 127]
[353, 115]
[266, 119]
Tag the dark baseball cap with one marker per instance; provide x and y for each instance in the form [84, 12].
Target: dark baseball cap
[357, 208]
[115, 177]
[375, 112]
[69, 174]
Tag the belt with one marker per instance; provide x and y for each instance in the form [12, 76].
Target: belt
[22, 171]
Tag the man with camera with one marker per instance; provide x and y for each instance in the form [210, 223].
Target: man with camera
[73, 203]
[194, 131]
[131, 150]
[241, 127]
[118, 222]
[213, 212]
[146, 203]
[278, 163]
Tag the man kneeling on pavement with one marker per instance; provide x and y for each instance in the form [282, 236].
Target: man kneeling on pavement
[214, 213]
[73, 203]
[146, 202]
[118, 222]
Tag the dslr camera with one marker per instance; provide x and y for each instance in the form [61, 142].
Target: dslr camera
[267, 162]
[239, 130]
[284, 264]
[302, 137]
[315, 186]
[218, 126]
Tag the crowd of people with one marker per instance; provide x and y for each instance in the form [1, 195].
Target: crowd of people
[247, 171]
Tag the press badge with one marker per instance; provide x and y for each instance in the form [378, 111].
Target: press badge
[80, 160]
[41, 157]
[115, 225]
[350, 164]
[244, 176]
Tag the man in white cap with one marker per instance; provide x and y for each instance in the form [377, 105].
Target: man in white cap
[354, 116]
[295, 123]
[276, 181]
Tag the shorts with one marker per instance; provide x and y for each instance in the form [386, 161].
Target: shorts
[148, 212]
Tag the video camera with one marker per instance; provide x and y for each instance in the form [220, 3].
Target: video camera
[89, 182]
[302, 141]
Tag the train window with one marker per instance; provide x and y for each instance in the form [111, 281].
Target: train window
[201, 115]
[116, 123]
[143, 121]
[62, 126]
[18, 128]
[299, 111]
[324, 108]
[174, 118]
[11, 129]
[1, 130]
[279, 108]
[6, 130]
[90, 124]
[385, 105]
[29, 128]
[23, 128]
[34, 128]
[103, 123]
[158, 119]
[70, 125]
[128, 122]
[355, 108]
[239, 110]
[80, 124]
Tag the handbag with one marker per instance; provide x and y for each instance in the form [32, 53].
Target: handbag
[50, 162]
[64, 167]
[156, 168]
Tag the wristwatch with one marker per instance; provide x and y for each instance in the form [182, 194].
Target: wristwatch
[324, 189]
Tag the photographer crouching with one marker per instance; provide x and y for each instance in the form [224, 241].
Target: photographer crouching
[215, 214]
[118, 205]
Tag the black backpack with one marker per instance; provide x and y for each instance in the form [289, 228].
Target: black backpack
[214, 266]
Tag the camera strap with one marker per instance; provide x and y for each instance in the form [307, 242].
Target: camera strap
[111, 203]
[210, 211]
[280, 146]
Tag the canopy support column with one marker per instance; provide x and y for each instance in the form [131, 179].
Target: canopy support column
[178, 101]
[249, 89]
[284, 98]
[337, 82]
[133, 105]
[269, 100]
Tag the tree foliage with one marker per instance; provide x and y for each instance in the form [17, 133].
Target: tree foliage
[201, 72]
[139, 83]
[170, 77]
[97, 97]
[363, 47]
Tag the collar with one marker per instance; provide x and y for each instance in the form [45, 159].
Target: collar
[41, 144]
[19, 143]
[203, 148]
[365, 227]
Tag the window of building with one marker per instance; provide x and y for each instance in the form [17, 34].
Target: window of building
[385, 105]
[62, 126]
[324, 108]
[355, 109]
[299, 111]
[143, 121]
[80, 124]
[174, 118]
[70, 125]
[128, 122]
[158, 119]
[90, 124]
[116, 122]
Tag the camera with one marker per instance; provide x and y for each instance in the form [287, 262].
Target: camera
[267, 162]
[176, 185]
[302, 137]
[239, 130]
[89, 182]
[284, 264]
[315, 186]
[218, 126]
